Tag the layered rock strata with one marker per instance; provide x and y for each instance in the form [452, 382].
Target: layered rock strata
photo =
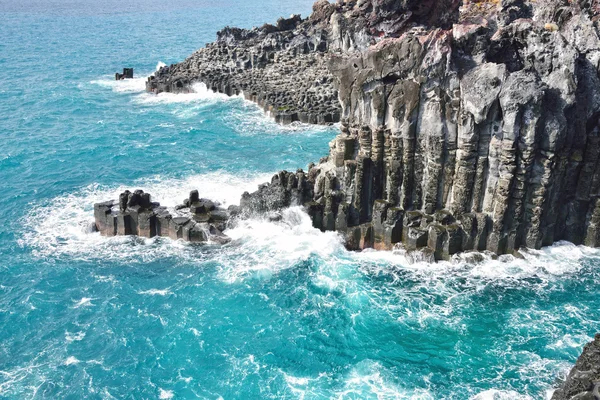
[478, 135]
[196, 220]
[583, 382]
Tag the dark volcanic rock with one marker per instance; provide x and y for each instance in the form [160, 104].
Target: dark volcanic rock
[197, 220]
[583, 382]
[463, 127]
[281, 67]
[484, 122]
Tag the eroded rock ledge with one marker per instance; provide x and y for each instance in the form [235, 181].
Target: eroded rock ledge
[282, 68]
[196, 220]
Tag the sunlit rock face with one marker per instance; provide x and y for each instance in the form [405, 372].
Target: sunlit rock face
[471, 128]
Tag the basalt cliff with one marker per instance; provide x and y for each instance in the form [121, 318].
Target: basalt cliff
[464, 126]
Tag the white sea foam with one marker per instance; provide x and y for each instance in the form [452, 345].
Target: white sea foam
[135, 85]
[254, 121]
[84, 302]
[72, 361]
[262, 248]
[62, 225]
[367, 380]
[199, 93]
[266, 247]
[165, 394]
[74, 337]
[156, 292]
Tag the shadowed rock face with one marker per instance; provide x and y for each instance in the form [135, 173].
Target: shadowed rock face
[583, 382]
[492, 120]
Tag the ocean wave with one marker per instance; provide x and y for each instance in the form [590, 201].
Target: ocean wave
[199, 94]
[261, 247]
[369, 379]
[248, 119]
[494, 394]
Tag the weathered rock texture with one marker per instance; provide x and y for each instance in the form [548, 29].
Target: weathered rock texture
[470, 129]
[583, 382]
[196, 220]
[470, 126]
[281, 67]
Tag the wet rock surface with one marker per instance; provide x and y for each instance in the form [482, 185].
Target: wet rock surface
[583, 382]
[197, 220]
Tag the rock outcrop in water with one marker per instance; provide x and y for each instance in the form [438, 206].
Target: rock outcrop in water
[462, 129]
[127, 74]
[196, 220]
[583, 382]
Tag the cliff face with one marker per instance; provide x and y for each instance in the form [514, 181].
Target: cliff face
[583, 382]
[461, 129]
[470, 126]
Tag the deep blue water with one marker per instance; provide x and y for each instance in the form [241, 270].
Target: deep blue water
[282, 312]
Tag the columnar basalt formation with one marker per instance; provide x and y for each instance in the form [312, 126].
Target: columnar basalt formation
[127, 74]
[282, 68]
[583, 382]
[196, 220]
[464, 127]
[476, 132]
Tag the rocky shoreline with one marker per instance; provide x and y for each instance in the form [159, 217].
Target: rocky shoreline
[583, 382]
[282, 68]
[196, 220]
[463, 127]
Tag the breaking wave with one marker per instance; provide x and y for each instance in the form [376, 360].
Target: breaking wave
[62, 226]
[135, 85]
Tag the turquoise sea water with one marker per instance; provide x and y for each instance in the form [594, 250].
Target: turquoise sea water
[282, 312]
